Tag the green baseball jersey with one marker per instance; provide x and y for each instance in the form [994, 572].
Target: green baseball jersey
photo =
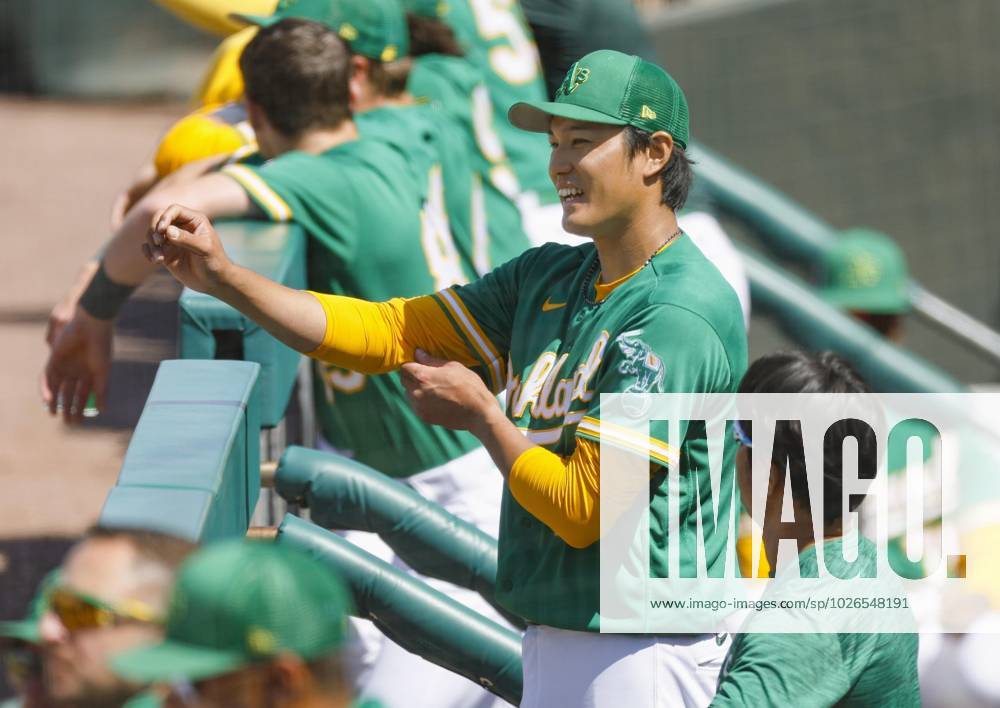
[498, 42]
[674, 326]
[421, 134]
[822, 669]
[374, 223]
[453, 84]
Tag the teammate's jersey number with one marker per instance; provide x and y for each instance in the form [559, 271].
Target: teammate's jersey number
[515, 61]
[338, 379]
[489, 143]
[439, 247]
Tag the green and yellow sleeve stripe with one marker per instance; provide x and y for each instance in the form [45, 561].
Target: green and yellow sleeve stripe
[479, 343]
[274, 206]
[658, 450]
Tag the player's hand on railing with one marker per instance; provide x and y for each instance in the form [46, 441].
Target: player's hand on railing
[184, 241]
[78, 365]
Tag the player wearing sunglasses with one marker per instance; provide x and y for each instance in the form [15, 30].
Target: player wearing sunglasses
[251, 625]
[110, 597]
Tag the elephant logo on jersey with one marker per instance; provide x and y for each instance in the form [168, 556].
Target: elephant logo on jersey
[641, 362]
[574, 78]
[645, 366]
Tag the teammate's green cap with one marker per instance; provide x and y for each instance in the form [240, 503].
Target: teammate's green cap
[240, 602]
[27, 629]
[373, 28]
[866, 271]
[615, 89]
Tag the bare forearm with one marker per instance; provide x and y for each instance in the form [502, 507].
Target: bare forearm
[214, 194]
[122, 258]
[292, 316]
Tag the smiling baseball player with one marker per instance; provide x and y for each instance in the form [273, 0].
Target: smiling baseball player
[641, 309]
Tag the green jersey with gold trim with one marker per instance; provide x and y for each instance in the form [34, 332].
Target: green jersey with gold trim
[674, 326]
[456, 86]
[844, 669]
[428, 141]
[374, 220]
[498, 42]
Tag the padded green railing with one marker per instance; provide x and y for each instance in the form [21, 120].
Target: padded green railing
[415, 616]
[344, 494]
[192, 467]
[784, 226]
[813, 323]
[210, 329]
[793, 233]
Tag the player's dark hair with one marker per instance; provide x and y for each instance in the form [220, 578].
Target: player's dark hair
[676, 178]
[297, 72]
[389, 79]
[796, 371]
[429, 35]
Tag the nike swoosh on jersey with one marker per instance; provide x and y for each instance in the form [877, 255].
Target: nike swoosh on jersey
[548, 305]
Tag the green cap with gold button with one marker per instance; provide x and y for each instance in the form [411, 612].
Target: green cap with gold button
[866, 271]
[615, 89]
[240, 602]
[373, 28]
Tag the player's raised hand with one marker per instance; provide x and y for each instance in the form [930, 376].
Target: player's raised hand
[185, 242]
[78, 365]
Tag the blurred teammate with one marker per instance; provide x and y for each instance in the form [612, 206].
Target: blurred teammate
[456, 86]
[813, 669]
[641, 310]
[248, 626]
[498, 42]
[866, 274]
[111, 595]
[484, 223]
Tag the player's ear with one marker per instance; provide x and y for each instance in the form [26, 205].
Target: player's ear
[358, 84]
[256, 115]
[661, 147]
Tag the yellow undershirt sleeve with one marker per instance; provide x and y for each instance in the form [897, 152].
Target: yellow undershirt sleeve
[561, 492]
[377, 337]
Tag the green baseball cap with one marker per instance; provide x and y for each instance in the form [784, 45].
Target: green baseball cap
[27, 629]
[373, 28]
[239, 602]
[866, 271]
[615, 89]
